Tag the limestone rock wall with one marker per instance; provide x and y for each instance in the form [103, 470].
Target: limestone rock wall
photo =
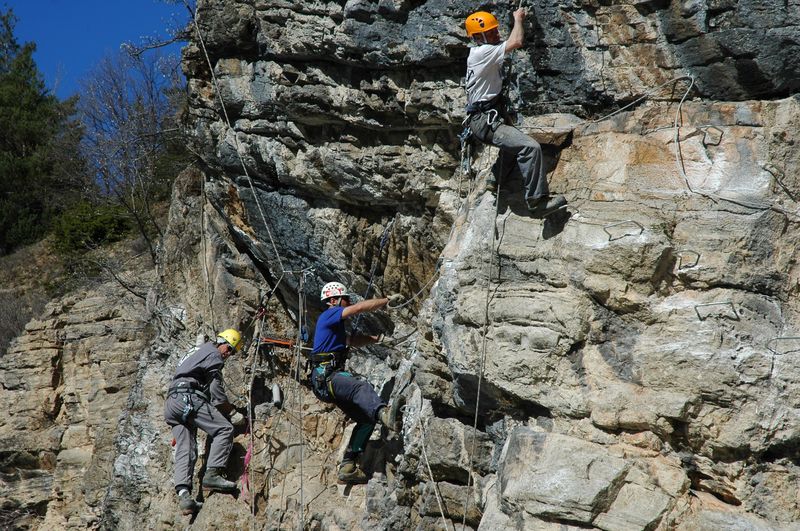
[633, 361]
[63, 389]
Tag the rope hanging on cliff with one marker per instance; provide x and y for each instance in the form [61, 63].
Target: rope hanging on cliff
[492, 252]
[428, 466]
[250, 422]
[375, 260]
[301, 336]
[466, 202]
[193, 14]
[209, 286]
[708, 195]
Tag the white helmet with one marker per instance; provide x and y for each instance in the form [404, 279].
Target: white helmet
[333, 289]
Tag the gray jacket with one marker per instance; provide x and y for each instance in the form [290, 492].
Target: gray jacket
[203, 370]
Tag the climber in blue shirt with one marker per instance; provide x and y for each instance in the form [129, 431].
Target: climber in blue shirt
[331, 383]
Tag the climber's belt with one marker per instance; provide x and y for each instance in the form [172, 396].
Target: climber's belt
[483, 106]
[322, 357]
[183, 388]
[326, 365]
[321, 383]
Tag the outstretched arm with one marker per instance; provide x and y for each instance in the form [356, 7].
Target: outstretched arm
[517, 36]
[369, 305]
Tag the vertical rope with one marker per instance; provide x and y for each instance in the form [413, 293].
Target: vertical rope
[301, 308]
[251, 421]
[209, 287]
[492, 252]
[193, 14]
[384, 240]
[430, 471]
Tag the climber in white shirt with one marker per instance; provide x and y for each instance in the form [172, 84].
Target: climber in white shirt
[485, 110]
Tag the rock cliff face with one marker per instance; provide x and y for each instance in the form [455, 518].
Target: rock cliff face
[631, 367]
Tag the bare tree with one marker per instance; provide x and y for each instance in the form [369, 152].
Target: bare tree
[129, 108]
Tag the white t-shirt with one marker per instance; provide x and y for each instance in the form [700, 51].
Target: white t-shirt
[485, 72]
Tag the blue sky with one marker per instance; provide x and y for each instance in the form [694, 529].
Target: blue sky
[72, 35]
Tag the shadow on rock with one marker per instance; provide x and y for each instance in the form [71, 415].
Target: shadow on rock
[554, 224]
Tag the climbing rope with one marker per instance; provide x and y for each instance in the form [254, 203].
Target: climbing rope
[193, 14]
[384, 240]
[250, 422]
[301, 336]
[209, 286]
[492, 253]
[711, 196]
[433, 277]
[301, 295]
[464, 206]
[428, 466]
[644, 96]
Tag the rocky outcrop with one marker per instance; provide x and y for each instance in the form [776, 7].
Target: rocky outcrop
[627, 367]
[64, 388]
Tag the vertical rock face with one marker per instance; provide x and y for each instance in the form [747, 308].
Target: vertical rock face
[63, 389]
[630, 367]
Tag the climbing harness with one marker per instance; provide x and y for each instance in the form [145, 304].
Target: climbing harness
[464, 138]
[324, 366]
[186, 388]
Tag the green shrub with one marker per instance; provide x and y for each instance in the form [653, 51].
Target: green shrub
[85, 226]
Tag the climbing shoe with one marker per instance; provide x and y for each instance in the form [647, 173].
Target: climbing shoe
[388, 415]
[350, 472]
[544, 206]
[214, 480]
[187, 504]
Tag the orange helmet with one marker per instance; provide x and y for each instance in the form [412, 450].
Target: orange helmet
[479, 22]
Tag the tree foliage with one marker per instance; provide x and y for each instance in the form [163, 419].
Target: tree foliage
[132, 141]
[39, 173]
[86, 226]
[119, 144]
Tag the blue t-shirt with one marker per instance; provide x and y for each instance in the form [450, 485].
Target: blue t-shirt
[330, 335]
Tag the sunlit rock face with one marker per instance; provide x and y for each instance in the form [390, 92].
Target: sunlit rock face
[634, 359]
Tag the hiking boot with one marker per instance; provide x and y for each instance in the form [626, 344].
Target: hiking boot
[385, 416]
[214, 480]
[187, 504]
[544, 206]
[388, 415]
[350, 472]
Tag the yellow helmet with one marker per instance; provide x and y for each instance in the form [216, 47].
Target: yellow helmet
[231, 337]
[479, 22]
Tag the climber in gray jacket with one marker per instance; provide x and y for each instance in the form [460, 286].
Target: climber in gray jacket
[197, 399]
[486, 110]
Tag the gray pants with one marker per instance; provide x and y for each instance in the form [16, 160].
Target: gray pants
[359, 401]
[207, 418]
[517, 150]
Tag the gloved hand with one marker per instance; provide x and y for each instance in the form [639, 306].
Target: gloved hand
[237, 419]
[395, 299]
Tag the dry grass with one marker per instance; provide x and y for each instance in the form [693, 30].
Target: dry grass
[35, 275]
[28, 280]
